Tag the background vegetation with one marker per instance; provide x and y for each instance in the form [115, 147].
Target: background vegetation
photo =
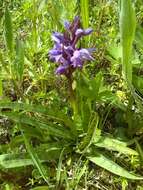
[46, 144]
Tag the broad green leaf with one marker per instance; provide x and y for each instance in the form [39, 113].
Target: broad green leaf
[8, 30]
[111, 166]
[127, 31]
[54, 130]
[83, 86]
[13, 163]
[19, 61]
[50, 112]
[45, 152]
[90, 88]
[115, 145]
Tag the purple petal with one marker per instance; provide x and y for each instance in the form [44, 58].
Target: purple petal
[77, 63]
[54, 52]
[58, 46]
[76, 59]
[75, 55]
[67, 25]
[79, 32]
[62, 69]
[79, 56]
[88, 31]
[85, 54]
[58, 58]
[68, 50]
[57, 37]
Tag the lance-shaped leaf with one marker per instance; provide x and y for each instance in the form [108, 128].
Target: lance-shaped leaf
[45, 152]
[127, 30]
[19, 61]
[50, 111]
[111, 166]
[115, 145]
[53, 129]
[8, 31]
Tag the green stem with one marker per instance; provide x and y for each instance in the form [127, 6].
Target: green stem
[72, 96]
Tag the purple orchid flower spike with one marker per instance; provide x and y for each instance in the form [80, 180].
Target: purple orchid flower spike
[66, 51]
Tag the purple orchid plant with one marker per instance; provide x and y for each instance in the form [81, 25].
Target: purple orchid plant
[66, 51]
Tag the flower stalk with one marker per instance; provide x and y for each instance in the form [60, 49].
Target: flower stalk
[72, 95]
[68, 55]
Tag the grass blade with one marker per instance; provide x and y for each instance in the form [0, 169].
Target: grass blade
[84, 4]
[79, 174]
[58, 174]
[35, 158]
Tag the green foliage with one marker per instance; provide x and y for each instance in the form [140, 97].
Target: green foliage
[35, 158]
[40, 188]
[1, 88]
[85, 12]
[19, 61]
[44, 142]
[108, 164]
[8, 31]
[127, 30]
[114, 145]
[83, 147]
